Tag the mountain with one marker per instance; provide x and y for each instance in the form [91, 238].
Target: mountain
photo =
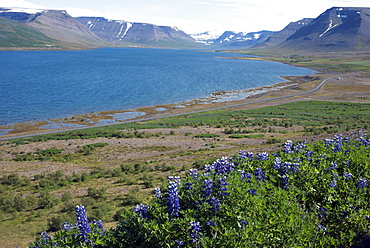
[137, 34]
[60, 28]
[337, 29]
[206, 38]
[10, 35]
[232, 40]
[284, 34]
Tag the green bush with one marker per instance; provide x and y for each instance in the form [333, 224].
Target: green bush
[306, 195]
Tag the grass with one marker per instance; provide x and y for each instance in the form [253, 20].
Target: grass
[125, 181]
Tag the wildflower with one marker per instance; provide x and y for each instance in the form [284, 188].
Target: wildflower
[45, 238]
[179, 243]
[157, 192]
[300, 146]
[322, 213]
[322, 228]
[173, 198]
[223, 166]
[208, 185]
[288, 145]
[82, 223]
[263, 156]
[285, 182]
[243, 223]
[260, 175]
[244, 175]
[194, 174]
[334, 178]
[66, 226]
[209, 168]
[194, 231]
[98, 226]
[252, 191]
[362, 183]
[214, 203]
[210, 223]
[347, 176]
[333, 165]
[141, 210]
[222, 185]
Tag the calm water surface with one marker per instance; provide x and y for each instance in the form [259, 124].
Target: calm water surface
[36, 85]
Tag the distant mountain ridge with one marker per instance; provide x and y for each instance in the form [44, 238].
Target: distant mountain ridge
[232, 40]
[131, 33]
[337, 29]
[281, 36]
[62, 30]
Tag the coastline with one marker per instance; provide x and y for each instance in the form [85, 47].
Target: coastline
[114, 117]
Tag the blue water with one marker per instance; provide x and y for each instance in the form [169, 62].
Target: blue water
[36, 85]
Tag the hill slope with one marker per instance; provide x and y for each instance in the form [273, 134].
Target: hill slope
[337, 29]
[55, 24]
[137, 34]
[284, 34]
[17, 34]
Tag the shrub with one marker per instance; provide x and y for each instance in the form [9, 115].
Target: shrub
[306, 195]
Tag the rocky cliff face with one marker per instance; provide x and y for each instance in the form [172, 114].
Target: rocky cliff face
[139, 34]
[57, 25]
[337, 29]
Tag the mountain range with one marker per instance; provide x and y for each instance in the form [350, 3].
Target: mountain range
[336, 29]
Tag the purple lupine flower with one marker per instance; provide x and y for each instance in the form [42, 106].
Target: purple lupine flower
[98, 224]
[333, 166]
[209, 168]
[194, 231]
[194, 174]
[260, 174]
[179, 243]
[173, 198]
[82, 223]
[242, 154]
[66, 226]
[208, 185]
[223, 166]
[285, 182]
[334, 178]
[277, 163]
[347, 176]
[157, 192]
[45, 238]
[141, 210]
[263, 156]
[244, 175]
[322, 228]
[222, 185]
[243, 223]
[300, 146]
[252, 191]
[210, 223]
[322, 213]
[362, 183]
[214, 203]
[288, 147]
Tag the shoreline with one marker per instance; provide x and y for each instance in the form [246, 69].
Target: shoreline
[115, 117]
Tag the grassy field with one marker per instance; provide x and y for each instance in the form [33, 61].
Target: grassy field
[40, 187]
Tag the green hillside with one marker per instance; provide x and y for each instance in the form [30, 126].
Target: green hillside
[17, 34]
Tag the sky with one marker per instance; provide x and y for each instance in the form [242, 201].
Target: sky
[196, 16]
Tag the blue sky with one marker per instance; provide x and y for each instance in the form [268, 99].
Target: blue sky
[195, 16]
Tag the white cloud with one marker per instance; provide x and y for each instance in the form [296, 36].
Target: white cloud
[194, 16]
